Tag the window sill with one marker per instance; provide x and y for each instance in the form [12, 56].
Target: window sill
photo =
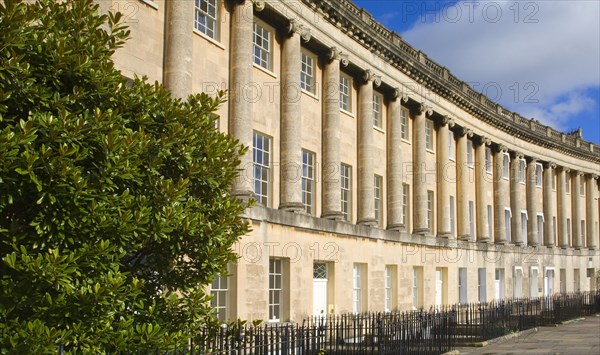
[379, 129]
[430, 151]
[522, 182]
[347, 113]
[210, 39]
[308, 93]
[452, 160]
[266, 71]
[150, 3]
[405, 141]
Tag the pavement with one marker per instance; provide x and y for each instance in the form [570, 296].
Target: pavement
[577, 337]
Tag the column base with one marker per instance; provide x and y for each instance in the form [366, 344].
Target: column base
[421, 231]
[244, 195]
[396, 227]
[370, 222]
[465, 237]
[295, 207]
[333, 215]
[484, 240]
[444, 235]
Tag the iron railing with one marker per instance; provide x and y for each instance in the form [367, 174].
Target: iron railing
[414, 332]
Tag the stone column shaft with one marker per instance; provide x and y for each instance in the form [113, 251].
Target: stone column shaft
[394, 164]
[576, 211]
[562, 208]
[532, 204]
[178, 48]
[463, 184]
[515, 201]
[548, 206]
[591, 212]
[240, 74]
[501, 198]
[419, 172]
[332, 195]
[445, 171]
[481, 179]
[291, 121]
[366, 170]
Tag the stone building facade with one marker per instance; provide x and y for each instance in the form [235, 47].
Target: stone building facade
[382, 181]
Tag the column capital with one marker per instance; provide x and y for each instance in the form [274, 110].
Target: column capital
[519, 155]
[550, 165]
[447, 120]
[399, 93]
[423, 107]
[369, 75]
[594, 176]
[259, 5]
[483, 140]
[566, 170]
[533, 160]
[502, 148]
[296, 27]
[336, 54]
[580, 173]
[464, 131]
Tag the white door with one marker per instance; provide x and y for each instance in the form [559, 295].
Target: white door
[549, 283]
[320, 289]
[438, 287]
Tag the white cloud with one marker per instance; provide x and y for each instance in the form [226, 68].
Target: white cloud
[551, 49]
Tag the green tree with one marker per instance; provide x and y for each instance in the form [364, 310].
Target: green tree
[114, 204]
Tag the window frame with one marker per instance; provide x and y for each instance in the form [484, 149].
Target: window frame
[378, 105]
[405, 204]
[471, 218]
[522, 171]
[507, 224]
[490, 221]
[451, 146]
[452, 214]
[404, 124]
[346, 179]
[203, 28]
[567, 183]
[311, 87]
[429, 135]
[488, 160]
[260, 61]
[470, 154]
[540, 220]
[524, 229]
[539, 171]
[308, 181]
[275, 293]
[505, 166]
[221, 312]
[345, 93]
[378, 198]
[262, 197]
[430, 207]
[388, 288]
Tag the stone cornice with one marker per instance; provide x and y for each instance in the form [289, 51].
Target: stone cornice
[359, 25]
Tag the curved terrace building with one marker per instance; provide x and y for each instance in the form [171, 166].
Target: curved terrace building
[383, 182]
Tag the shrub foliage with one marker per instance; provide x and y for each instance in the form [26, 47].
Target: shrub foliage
[114, 204]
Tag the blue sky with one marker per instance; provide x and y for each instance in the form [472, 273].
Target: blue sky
[540, 59]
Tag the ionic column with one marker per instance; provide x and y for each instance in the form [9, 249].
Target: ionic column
[532, 204]
[591, 211]
[562, 207]
[419, 171]
[549, 205]
[291, 119]
[332, 195]
[178, 48]
[394, 162]
[366, 170]
[515, 201]
[240, 75]
[576, 210]
[480, 185]
[463, 184]
[501, 196]
[443, 188]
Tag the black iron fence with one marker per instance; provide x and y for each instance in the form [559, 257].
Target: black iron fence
[416, 332]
